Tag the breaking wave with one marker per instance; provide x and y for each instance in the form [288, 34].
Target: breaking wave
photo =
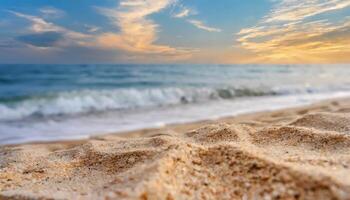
[86, 101]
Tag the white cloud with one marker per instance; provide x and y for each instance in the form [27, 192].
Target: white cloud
[138, 33]
[92, 28]
[184, 12]
[40, 25]
[51, 12]
[203, 26]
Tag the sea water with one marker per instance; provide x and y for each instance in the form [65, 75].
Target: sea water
[59, 102]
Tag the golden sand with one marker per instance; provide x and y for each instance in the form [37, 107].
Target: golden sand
[301, 153]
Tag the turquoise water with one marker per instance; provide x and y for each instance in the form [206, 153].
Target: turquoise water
[51, 102]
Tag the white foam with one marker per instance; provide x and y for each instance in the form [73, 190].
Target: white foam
[117, 121]
[86, 101]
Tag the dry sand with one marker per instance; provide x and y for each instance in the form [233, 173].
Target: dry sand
[301, 153]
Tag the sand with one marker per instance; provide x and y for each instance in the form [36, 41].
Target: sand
[299, 153]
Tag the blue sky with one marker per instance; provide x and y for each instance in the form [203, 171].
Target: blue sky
[175, 31]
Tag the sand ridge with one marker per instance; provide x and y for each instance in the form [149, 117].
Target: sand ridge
[292, 154]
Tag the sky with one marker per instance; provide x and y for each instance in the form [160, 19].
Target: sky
[175, 31]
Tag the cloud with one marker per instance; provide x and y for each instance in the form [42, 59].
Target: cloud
[41, 28]
[201, 25]
[136, 38]
[38, 24]
[138, 33]
[289, 34]
[184, 12]
[92, 28]
[45, 39]
[293, 10]
[51, 12]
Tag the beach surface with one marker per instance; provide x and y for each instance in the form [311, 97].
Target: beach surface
[298, 153]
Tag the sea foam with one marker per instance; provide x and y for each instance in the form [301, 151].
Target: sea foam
[87, 101]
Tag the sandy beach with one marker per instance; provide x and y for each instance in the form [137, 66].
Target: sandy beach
[298, 153]
[174, 100]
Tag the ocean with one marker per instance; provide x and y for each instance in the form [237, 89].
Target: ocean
[63, 102]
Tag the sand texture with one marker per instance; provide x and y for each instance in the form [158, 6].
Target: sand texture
[301, 153]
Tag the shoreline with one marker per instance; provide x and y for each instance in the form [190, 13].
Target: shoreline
[186, 126]
[182, 127]
[68, 128]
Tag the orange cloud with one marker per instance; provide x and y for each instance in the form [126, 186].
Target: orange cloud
[138, 34]
[294, 10]
[287, 35]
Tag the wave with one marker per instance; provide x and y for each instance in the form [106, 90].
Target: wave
[87, 101]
